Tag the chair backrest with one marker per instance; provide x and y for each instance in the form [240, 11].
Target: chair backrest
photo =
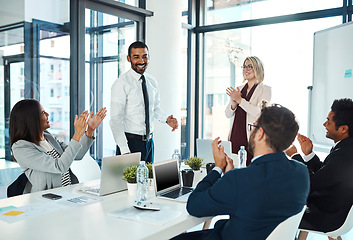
[288, 228]
[18, 186]
[86, 169]
[346, 226]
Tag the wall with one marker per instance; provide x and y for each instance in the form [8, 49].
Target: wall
[163, 37]
[55, 11]
[11, 11]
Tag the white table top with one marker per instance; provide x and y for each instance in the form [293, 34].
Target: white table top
[92, 221]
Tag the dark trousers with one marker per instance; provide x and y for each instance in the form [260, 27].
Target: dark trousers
[136, 144]
[197, 235]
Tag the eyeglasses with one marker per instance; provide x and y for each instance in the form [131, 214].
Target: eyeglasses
[247, 67]
[251, 126]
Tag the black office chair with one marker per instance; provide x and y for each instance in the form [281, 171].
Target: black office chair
[18, 186]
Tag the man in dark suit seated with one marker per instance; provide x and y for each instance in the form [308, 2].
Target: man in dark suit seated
[256, 198]
[331, 181]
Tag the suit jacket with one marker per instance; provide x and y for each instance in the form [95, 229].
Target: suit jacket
[251, 107]
[42, 170]
[257, 198]
[331, 192]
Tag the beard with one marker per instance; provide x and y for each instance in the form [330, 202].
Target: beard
[139, 70]
[251, 145]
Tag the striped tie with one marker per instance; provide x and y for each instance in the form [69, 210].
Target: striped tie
[65, 177]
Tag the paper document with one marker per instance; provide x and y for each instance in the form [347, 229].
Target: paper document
[166, 214]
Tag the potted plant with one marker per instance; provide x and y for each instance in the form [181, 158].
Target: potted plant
[195, 163]
[129, 175]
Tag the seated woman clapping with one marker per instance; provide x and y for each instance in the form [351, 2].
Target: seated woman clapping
[45, 160]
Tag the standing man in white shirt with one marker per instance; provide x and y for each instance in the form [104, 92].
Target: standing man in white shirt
[135, 105]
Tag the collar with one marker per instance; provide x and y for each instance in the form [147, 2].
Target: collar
[254, 158]
[268, 158]
[347, 141]
[135, 75]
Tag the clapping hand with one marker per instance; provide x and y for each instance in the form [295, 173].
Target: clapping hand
[95, 121]
[219, 154]
[80, 125]
[172, 122]
[230, 164]
[291, 150]
[234, 94]
[305, 144]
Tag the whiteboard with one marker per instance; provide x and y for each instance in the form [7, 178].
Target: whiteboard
[332, 77]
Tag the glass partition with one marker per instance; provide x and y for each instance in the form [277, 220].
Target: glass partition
[107, 40]
[286, 50]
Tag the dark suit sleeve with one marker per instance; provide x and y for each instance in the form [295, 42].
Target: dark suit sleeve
[213, 195]
[313, 165]
[334, 171]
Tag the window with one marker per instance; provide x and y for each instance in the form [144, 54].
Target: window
[286, 50]
[222, 11]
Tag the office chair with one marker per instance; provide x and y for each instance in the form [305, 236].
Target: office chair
[288, 228]
[333, 235]
[86, 169]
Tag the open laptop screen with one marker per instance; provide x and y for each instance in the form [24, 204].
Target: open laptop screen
[166, 175]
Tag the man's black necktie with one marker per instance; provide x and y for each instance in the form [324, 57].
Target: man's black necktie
[147, 113]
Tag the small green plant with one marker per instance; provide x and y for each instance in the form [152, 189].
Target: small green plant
[129, 174]
[194, 163]
[150, 172]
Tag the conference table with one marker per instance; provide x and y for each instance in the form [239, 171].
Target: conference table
[80, 215]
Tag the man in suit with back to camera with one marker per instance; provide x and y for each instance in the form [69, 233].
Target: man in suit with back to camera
[259, 197]
[135, 105]
[331, 181]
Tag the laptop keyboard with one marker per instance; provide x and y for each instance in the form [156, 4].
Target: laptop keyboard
[95, 189]
[177, 192]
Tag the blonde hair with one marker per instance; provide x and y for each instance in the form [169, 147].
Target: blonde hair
[258, 68]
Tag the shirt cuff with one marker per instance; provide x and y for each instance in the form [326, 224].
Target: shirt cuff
[124, 150]
[308, 157]
[218, 169]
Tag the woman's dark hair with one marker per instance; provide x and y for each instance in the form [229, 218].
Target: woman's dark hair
[25, 123]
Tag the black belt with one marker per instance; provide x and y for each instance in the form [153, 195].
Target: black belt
[140, 137]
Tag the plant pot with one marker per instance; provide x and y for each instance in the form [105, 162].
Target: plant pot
[197, 174]
[131, 188]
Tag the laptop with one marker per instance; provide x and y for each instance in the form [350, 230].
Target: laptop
[167, 184]
[112, 174]
[204, 149]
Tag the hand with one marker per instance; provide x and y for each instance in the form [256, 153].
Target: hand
[291, 150]
[305, 144]
[80, 125]
[234, 94]
[95, 121]
[230, 164]
[218, 154]
[172, 122]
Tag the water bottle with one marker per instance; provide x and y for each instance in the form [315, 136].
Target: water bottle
[242, 157]
[176, 155]
[142, 182]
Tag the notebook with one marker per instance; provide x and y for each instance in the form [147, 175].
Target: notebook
[204, 149]
[112, 174]
[167, 182]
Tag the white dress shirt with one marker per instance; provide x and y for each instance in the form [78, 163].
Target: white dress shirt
[128, 107]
